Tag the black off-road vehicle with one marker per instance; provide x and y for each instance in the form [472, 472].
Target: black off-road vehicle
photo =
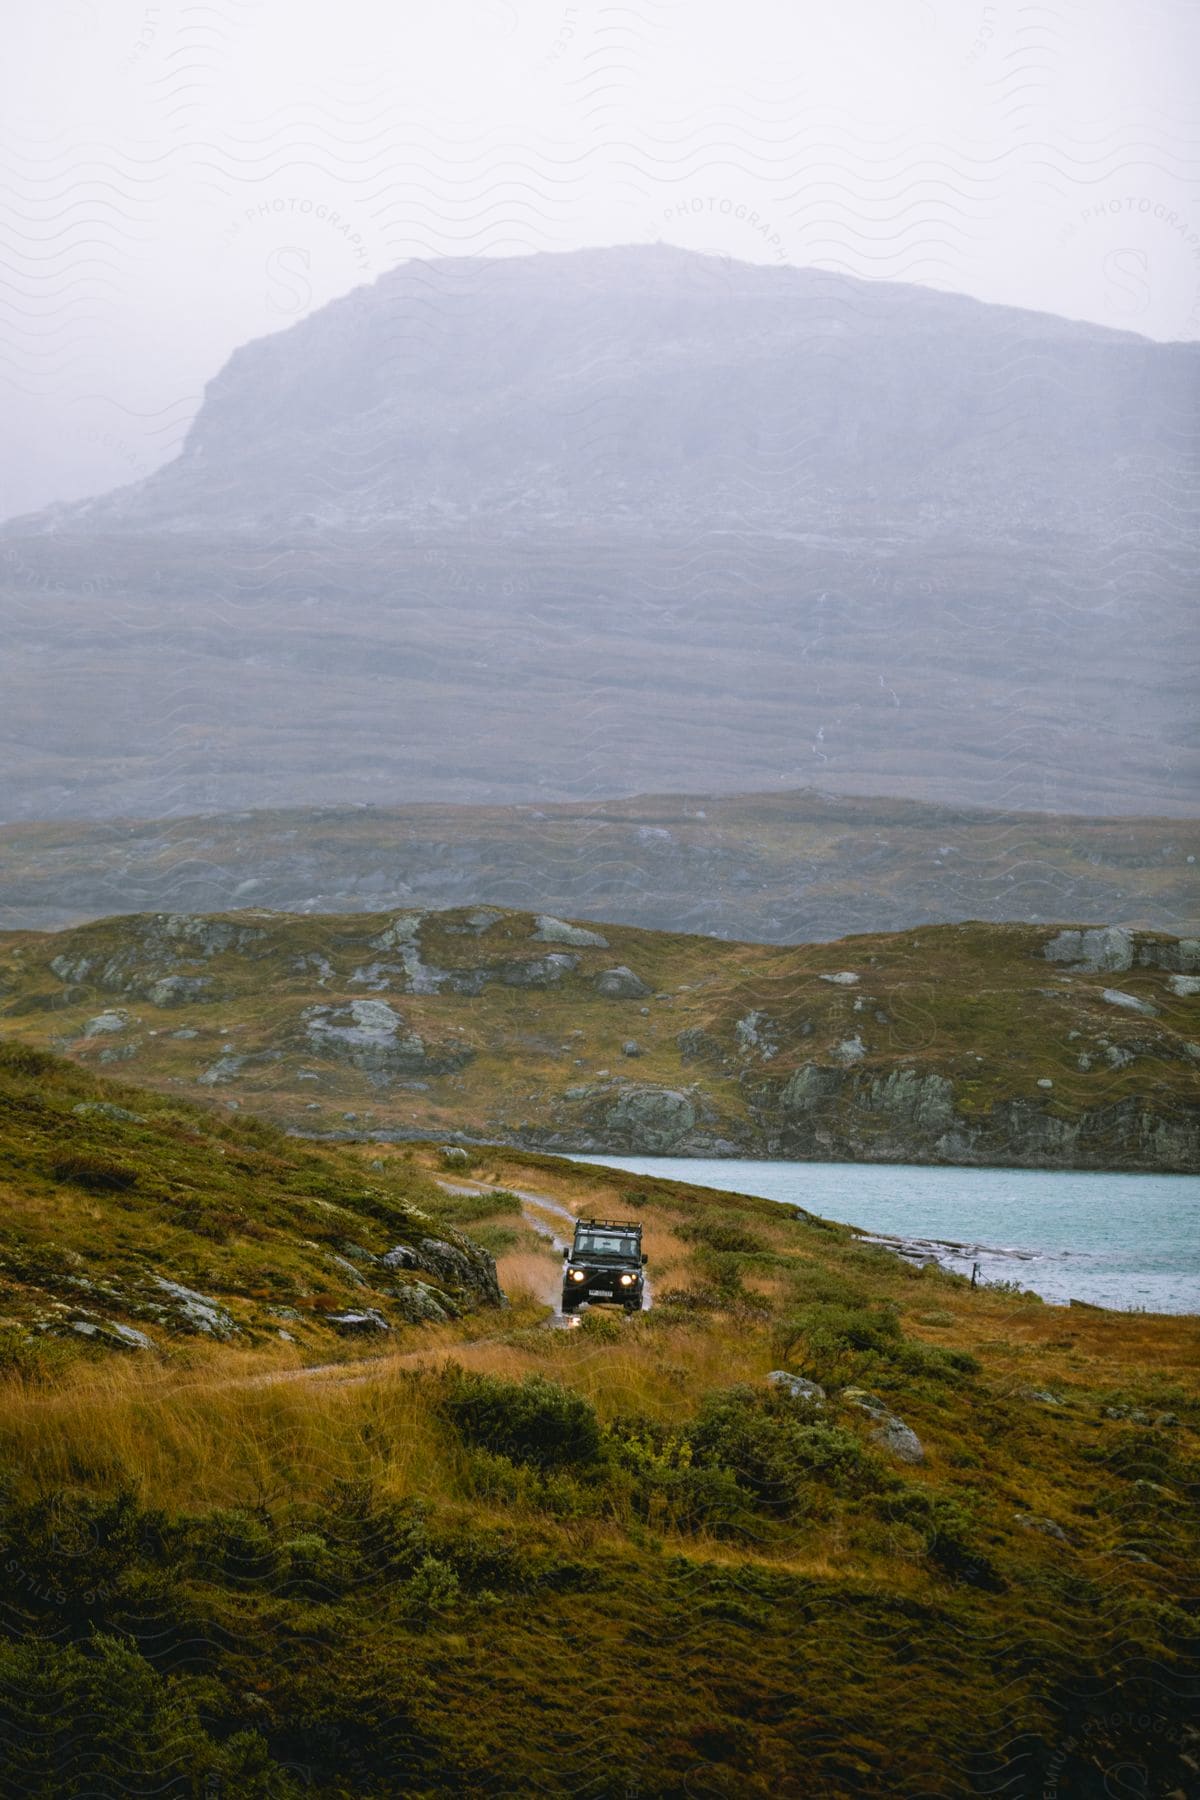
[604, 1265]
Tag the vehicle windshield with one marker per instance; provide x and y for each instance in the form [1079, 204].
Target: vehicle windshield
[605, 1243]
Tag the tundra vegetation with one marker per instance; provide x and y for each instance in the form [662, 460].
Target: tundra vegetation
[819, 1522]
[1041, 1046]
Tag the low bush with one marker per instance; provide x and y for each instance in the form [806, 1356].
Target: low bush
[842, 1345]
[832, 1343]
[24, 1061]
[948, 1534]
[32, 1358]
[653, 1467]
[468, 1209]
[556, 1492]
[235, 1547]
[99, 1720]
[780, 1453]
[315, 1569]
[534, 1421]
[100, 1174]
[718, 1231]
[722, 1273]
[602, 1327]
[813, 1283]
[497, 1240]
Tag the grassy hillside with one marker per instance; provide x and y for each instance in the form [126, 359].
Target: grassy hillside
[778, 868]
[1000, 1044]
[503, 1559]
[131, 1222]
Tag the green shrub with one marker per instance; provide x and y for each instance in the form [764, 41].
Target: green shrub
[534, 1421]
[604, 1327]
[99, 1174]
[812, 1283]
[32, 1358]
[497, 1240]
[719, 1232]
[684, 1300]
[722, 1271]
[101, 1722]
[777, 1451]
[495, 1477]
[948, 1535]
[431, 1591]
[235, 1547]
[831, 1341]
[73, 1553]
[932, 1359]
[664, 1486]
[468, 1209]
[840, 1345]
[313, 1568]
[24, 1061]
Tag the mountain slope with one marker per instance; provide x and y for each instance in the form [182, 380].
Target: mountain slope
[622, 521]
[1000, 1044]
[651, 387]
[131, 1222]
[776, 868]
[818, 1522]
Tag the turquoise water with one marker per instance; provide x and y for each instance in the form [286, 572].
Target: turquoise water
[1128, 1241]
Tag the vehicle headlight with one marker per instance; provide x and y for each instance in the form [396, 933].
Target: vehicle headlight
[628, 1280]
[576, 1274]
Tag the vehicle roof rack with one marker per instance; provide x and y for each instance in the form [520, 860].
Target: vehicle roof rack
[612, 1224]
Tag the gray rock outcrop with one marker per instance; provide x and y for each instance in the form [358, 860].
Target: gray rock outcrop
[652, 1119]
[464, 1267]
[358, 1322]
[106, 1022]
[419, 1304]
[621, 984]
[371, 1036]
[1130, 1002]
[548, 930]
[796, 1387]
[1109, 949]
[111, 1333]
[189, 1311]
[539, 971]
[180, 990]
[888, 1430]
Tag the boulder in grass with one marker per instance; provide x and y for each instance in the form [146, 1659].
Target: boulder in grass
[810, 1393]
[359, 1322]
[621, 984]
[889, 1431]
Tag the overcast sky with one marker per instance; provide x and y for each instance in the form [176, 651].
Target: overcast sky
[185, 176]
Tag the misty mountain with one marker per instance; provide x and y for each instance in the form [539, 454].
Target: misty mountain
[616, 521]
[648, 388]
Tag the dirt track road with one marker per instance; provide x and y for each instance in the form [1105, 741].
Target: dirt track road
[540, 1212]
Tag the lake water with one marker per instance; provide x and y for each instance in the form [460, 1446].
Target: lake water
[1127, 1241]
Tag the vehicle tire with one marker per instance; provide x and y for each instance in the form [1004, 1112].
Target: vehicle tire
[569, 1306]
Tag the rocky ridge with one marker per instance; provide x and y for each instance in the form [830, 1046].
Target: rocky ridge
[968, 1044]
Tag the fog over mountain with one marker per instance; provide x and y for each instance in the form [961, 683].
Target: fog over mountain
[616, 520]
[644, 388]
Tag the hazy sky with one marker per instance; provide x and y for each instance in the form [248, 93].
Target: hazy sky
[184, 176]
